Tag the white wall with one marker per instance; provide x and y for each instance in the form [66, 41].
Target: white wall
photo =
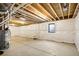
[24, 31]
[77, 31]
[14, 30]
[64, 31]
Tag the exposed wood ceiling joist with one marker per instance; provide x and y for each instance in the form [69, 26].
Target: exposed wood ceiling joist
[12, 6]
[69, 10]
[65, 9]
[76, 10]
[13, 11]
[38, 18]
[61, 10]
[36, 12]
[28, 17]
[44, 12]
[53, 11]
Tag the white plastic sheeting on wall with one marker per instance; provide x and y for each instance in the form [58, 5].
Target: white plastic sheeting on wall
[77, 31]
[65, 31]
[24, 31]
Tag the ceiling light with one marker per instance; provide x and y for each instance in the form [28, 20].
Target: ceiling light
[18, 21]
[65, 7]
[23, 19]
[12, 24]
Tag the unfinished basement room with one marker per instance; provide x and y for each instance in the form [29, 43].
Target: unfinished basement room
[39, 29]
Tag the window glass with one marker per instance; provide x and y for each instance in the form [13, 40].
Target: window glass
[51, 28]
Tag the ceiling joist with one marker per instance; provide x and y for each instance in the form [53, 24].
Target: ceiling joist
[46, 12]
[75, 10]
[17, 8]
[61, 10]
[12, 6]
[27, 17]
[35, 11]
[53, 11]
[69, 10]
[38, 18]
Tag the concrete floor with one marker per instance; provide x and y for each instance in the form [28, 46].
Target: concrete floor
[21, 46]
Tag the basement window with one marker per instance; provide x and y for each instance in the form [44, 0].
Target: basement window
[51, 28]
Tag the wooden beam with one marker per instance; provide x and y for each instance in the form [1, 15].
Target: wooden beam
[75, 10]
[38, 18]
[53, 10]
[61, 10]
[35, 11]
[12, 6]
[46, 11]
[17, 8]
[69, 10]
[4, 5]
[28, 17]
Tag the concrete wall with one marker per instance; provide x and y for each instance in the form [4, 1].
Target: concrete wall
[65, 31]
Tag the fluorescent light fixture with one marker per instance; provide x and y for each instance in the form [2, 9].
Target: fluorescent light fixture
[23, 19]
[12, 24]
[64, 9]
[21, 22]
[18, 21]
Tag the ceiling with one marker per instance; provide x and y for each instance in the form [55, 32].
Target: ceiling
[31, 13]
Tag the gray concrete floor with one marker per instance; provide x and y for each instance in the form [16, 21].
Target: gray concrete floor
[21, 46]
